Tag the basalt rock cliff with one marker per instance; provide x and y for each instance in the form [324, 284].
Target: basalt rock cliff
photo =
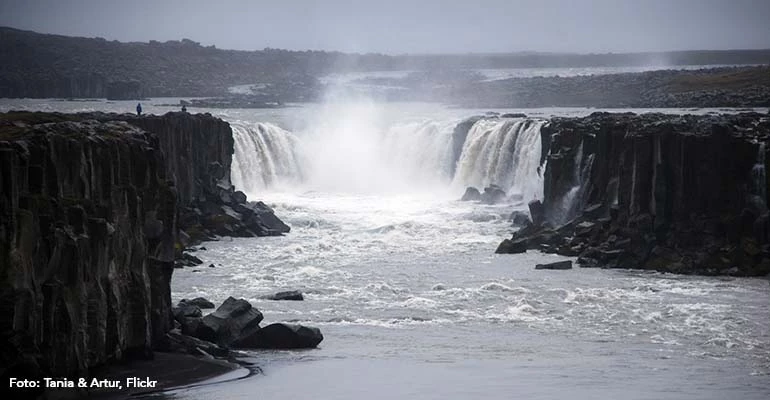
[683, 194]
[91, 207]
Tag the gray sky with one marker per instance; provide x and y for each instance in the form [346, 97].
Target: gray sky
[410, 26]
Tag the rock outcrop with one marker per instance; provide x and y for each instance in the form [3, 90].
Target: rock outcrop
[684, 194]
[87, 239]
[91, 208]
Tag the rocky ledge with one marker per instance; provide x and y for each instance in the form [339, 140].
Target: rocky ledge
[91, 207]
[683, 194]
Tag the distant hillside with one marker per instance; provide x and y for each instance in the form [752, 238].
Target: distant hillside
[42, 65]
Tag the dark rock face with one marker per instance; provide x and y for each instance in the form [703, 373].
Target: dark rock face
[683, 194]
[459, 135]
[281, 336]
[294, 295]
[509, 246]
[89, 234]
[86, 244]
[555, 265]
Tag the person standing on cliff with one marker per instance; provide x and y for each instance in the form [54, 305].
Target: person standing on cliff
[138, 109]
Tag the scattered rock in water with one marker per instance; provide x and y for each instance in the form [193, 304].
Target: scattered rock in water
[471, 194]
[186, 310]
[493, 194]
[201, 302]
[509, 246]
[232, 319]
[555, 265]
[212, 266]
[295, 295]
[281, 336]
[520, 219]
[187, 260]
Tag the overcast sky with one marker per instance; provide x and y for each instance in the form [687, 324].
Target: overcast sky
[409, 26]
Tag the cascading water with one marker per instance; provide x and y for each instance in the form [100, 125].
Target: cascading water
[359, 151]
[504, 152]
[758, 177]
[571, 200]
[265, 155]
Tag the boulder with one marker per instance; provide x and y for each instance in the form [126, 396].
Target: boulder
[186, 310]
[239, 197]
[520, 219]
[514, 115]
[280, 336]
[198, 301]
[471, 194]
[232, 319]
[493, 194]
[295, 295]
[509, 246]
[555, 265]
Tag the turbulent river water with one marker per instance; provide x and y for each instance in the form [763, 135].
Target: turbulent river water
[402, 280]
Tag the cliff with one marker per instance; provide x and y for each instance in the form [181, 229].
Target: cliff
[94, 211]
[87, 245]
[684, 194]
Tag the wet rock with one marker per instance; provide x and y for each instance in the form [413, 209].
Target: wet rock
[509, 246]
[555, 265]
[471, 194]
[186, 310]
[199, 302]
[295, 295]
[281, 336]
[192, 345]
[537, 212]
[188, 260]
[519, 219]
[232, 319]
[493, 194]
[514, 115]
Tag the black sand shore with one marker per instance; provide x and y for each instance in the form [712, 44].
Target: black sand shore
[169, 370]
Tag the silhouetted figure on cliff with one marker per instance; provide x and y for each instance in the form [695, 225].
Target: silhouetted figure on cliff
[184, 108]
[138, 109]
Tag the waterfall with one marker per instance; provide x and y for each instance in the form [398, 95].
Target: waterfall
[504, 152]
[571, 201]
[758, 177]
[358, 152]
[265, 155]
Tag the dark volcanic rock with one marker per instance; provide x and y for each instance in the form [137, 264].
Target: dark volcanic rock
[295, 295]
[200, 302]
[85, 279]
[684, 194]
[520, 219]
[493, 194]
[471, 194]
[555, 265]
[537, 211]
[231, 320]
[281, 336]
[509, 246]
[186, 310]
